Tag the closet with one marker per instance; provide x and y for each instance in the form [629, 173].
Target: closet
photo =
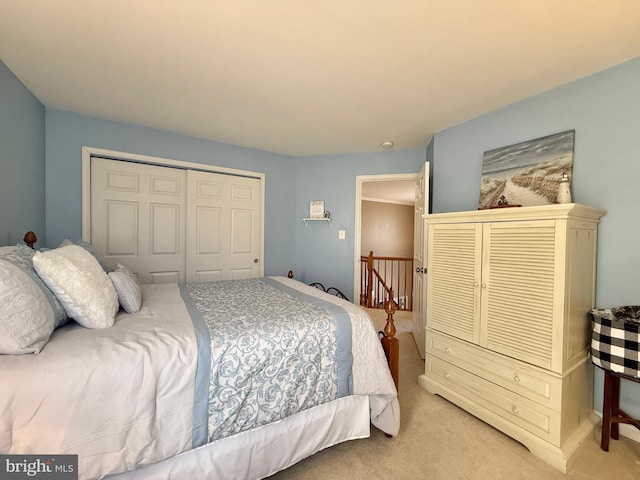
[508, 332]
[174, 224]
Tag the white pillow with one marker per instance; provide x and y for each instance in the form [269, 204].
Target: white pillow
[122, 268]
[79, 282]
[26, 316]
[127, 288]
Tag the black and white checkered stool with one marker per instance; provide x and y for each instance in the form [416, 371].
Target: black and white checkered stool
[615, 347]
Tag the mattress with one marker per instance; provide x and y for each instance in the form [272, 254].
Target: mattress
[123, 398]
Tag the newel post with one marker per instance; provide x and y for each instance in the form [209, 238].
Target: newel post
[390, 343]
[369, 278]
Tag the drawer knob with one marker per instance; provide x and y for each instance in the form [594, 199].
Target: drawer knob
[516, 378]
[515, 410]
[446, 349]
[446, 375]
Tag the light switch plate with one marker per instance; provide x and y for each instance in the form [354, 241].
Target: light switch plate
[341, 235]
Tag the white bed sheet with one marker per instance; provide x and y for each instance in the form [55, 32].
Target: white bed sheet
[263, 451]
[117, 397]
[75, 397]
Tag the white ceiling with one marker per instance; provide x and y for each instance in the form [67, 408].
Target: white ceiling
[307, 77]
[391, 191]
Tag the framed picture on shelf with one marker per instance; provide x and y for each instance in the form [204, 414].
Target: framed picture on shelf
[316, 209]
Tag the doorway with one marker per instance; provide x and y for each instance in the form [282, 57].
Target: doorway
[414, 186]
[385, 193]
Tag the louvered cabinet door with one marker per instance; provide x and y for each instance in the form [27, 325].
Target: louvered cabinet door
[454, 269]
[517, 291]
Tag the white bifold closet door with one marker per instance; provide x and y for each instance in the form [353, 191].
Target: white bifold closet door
[175, 225]
[223, 222]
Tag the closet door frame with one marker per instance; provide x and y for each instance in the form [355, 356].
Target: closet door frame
[88, 152]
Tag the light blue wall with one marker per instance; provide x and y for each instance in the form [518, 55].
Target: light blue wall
[604, 111]
[287, 178]
[68, 132]
[22, 141]
[320, 256]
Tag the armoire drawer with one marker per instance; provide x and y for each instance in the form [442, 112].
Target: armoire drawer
[531, 416]
[531, 382]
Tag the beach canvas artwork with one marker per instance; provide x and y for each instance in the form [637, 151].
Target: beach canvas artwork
[526, 173]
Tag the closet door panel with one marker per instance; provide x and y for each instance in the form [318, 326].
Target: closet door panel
[223, 226]
[165, 229]
[138, 218]
[122, 228]
[174, 225]
[209, 226]
[166, 185]
[243, 190]
[241, 231]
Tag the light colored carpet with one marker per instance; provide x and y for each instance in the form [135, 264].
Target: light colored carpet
[440, 441]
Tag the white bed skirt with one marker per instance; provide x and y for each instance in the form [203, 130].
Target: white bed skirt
[263, 451]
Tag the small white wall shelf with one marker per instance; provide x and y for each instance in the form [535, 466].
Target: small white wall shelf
[324, 219]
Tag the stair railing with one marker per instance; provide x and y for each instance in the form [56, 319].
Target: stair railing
[380, 276]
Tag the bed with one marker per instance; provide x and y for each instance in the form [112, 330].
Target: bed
[230, 379]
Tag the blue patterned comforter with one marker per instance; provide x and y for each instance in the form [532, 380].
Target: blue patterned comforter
[266, 352]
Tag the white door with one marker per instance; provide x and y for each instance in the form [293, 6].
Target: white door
[175, 225]
[138, 218]
[419, 259]
[223, 227]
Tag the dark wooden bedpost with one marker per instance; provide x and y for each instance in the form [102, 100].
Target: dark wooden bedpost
[30, 238]
[369, 279]
[390, 343]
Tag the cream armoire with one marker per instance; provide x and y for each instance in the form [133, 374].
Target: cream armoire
[507, 337]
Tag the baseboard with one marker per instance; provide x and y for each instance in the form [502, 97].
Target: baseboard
[626, 430]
